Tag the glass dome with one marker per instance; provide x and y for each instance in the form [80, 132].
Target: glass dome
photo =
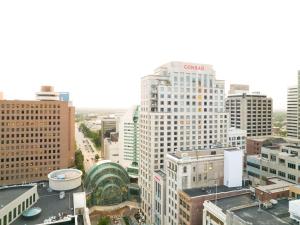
[107, 183]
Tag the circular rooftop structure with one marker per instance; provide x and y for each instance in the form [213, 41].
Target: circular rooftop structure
[64, 179]
[108, 184]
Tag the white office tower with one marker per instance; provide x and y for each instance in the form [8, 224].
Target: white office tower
[233, 167]
[129, 137]
[182, 109]
[292, 117]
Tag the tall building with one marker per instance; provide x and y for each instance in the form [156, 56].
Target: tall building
[238, 89]
[182, 109]
[292, 117]
[129, 137]
[36, 137]
[251, 112]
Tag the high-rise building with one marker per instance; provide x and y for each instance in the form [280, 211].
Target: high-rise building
[182, 109]
[292, 116]
[129, 137]
[36, 137]
[251, 112]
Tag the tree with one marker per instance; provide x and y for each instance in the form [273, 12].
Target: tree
[104, 221]
[79, 159]
[97, 157]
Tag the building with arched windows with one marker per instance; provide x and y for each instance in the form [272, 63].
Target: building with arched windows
[108, 183]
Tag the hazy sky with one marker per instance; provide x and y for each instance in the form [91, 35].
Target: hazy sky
[99, 50]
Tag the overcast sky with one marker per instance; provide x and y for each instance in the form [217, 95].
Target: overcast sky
[99, 50]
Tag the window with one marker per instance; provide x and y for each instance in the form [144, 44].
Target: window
[282, 174]
[291, 165]
[291, 177]
[184, 169]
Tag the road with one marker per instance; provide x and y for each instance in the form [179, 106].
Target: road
[87, 148]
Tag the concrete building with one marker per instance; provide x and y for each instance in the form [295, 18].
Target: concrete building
[281, 161]
[108, 125]
[237, 138]
[111, 150]
[129, 138]
[182, 109]
[196, 169]
[15, 200]
[238, 89]
[251, 112]
[245, 210]
[36, 137]
[292, 118]
[191, 201]
[64, 179]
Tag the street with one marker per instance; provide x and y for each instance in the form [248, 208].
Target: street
[87, 148]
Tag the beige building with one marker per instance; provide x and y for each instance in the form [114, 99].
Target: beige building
[36, 137]
[238, 89]
[251, 112]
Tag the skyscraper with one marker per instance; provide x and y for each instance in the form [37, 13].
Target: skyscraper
[36, 137]
[182, 109]
[292, 113]
[129, 139]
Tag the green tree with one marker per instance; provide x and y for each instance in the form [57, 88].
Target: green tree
[97, 157]
[79, 159]
[94, 136]
[104, 221]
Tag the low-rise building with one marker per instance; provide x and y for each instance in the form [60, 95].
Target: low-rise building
[282, 161]
[245, 210]
[237, 138]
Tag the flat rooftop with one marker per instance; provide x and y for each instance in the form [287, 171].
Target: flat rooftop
[247, 209]
[198, 153]
[9, 194]
[278, 185]
[50, 204]
[196, 192]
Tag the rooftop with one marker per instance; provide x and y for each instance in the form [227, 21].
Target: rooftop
[278, 185]
[196, 192]
[7, 195]
[247, 209]
[198, 153]
[50, 204]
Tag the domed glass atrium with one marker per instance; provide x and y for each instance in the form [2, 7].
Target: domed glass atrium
[108, 183]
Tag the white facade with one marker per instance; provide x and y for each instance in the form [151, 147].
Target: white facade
[292, 117]
[64, 179]
[191, 170]
[233, 167]
[182, 108]
[129, 137]
[237, 138]
[294, 210]
[11, 211]
[111, 150]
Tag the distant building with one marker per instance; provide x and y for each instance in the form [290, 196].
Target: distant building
[64, 96]
[108, 125]
[255, 144]
[251, 112]
[129, 140]
[111, 150]
[293, 110]
[36, 137]
[238, 89]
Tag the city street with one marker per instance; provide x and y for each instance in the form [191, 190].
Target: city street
[87, 148]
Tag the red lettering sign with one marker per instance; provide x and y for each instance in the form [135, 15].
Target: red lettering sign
[194, 67]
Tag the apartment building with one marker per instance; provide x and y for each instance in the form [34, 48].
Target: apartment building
[251, 112]
[281, 161]
[237, 138]
[182, 109]
[36, 137]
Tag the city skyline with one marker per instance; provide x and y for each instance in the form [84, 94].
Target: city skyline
[89, 52]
